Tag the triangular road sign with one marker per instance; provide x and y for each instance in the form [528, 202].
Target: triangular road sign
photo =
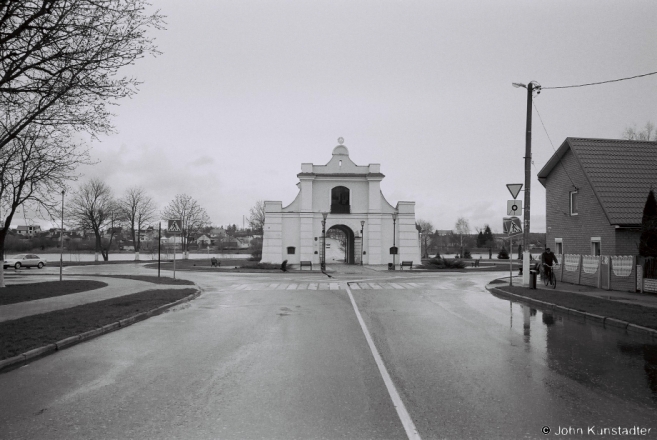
[514, 189]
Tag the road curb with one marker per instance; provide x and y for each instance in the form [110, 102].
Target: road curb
[605, 321]
[36, 353]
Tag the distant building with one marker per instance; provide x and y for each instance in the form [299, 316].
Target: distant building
[28, 230]
[595, 193]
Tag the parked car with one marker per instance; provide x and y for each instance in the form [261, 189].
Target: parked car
[24, 260]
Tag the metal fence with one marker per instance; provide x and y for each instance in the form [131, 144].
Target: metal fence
[616, 272]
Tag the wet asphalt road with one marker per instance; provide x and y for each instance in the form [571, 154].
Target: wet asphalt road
[283, 356]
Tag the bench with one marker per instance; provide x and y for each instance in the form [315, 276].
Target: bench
[303, 264]
[408, 264]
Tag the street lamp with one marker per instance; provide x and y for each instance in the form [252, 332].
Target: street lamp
[394, 242]
[61, 241]
[531, 86]
[362, 241]
[323, 265]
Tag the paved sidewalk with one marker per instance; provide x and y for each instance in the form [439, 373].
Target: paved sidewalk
[640, 299]
[115, 287]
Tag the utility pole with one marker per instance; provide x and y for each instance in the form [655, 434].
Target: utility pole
[531, 86]
[528, 179]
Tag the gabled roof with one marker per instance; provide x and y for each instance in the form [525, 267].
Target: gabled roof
[621, 173]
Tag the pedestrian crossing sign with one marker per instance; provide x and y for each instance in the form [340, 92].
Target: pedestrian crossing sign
[174, 227]
[512, 225]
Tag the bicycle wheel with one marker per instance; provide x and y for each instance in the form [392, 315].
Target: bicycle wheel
[553, 280]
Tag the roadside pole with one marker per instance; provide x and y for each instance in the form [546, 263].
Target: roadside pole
[510, 261]
[175, 229]
[159, 245]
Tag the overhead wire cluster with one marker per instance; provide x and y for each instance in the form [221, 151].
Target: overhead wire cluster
[538, 89]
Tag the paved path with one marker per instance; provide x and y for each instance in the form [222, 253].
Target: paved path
[641, 299]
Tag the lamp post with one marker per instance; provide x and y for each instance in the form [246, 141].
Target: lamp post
[394, 242]
[531, 86]
[362, 241]
[323, 265]
[61, 241]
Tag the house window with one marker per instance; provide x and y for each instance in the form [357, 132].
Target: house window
[574, 205]
[595, 246]
[290, 250]
[558, 246]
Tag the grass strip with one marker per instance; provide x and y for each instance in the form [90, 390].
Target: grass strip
[633, 313]
[29, 292]
[153, 279]
[21, 335]
[206, 265]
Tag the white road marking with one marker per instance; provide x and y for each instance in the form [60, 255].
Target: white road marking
[407, 421]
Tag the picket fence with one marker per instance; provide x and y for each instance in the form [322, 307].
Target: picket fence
[616, 272]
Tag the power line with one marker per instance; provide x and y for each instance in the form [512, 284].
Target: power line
[551, 143]
[601, 82]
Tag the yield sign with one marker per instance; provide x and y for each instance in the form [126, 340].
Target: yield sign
[174, 227]
[514, 189]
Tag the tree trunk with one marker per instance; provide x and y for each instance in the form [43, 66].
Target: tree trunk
[3, 234]
[98, 246]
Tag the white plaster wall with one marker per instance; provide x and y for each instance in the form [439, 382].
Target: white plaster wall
[300, 223]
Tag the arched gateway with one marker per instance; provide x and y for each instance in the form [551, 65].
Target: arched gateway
[349, 197]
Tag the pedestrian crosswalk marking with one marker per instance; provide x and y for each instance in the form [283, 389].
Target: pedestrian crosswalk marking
[324, 286]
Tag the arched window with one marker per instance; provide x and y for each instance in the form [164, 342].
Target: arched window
[340, 200]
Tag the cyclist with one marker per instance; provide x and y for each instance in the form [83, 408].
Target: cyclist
[548, 259]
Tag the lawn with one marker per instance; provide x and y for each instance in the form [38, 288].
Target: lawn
[29, 292]
[21, 335]
[644, 316]
[153, 279]
[206, 265]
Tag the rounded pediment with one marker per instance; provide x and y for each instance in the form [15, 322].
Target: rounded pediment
[340, 150]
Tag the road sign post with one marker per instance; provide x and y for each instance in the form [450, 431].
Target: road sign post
[174, 228]
[512, 226]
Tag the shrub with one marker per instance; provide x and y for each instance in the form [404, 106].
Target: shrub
[443, 263]
[503, 255]
[466, 254]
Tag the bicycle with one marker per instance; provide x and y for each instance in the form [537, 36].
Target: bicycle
[549, 278]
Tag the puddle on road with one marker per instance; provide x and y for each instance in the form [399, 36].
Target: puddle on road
[619, 363]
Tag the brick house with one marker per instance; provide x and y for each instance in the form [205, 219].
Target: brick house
[595, 193]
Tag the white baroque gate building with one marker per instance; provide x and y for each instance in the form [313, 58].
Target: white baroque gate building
[350, 194]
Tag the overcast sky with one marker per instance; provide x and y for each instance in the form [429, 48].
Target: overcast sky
[245, 91]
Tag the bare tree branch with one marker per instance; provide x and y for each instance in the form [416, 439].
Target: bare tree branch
[93, 207]
[138, 209]
[60, 60]
[193, 216]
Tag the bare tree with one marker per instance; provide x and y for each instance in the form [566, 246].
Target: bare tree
[34, 169]
[647, 134]
[138, 209]
[93, 207]
[193, 216]
[462, 228]
[426, 230]
[59, 61]
[257, 217]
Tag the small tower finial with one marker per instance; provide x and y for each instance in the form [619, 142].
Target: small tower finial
[340, 140]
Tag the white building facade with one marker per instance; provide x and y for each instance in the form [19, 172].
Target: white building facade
[351, 195]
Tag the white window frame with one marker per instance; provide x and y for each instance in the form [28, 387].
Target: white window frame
[599, 242]
[558, 242]
[570, 198]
